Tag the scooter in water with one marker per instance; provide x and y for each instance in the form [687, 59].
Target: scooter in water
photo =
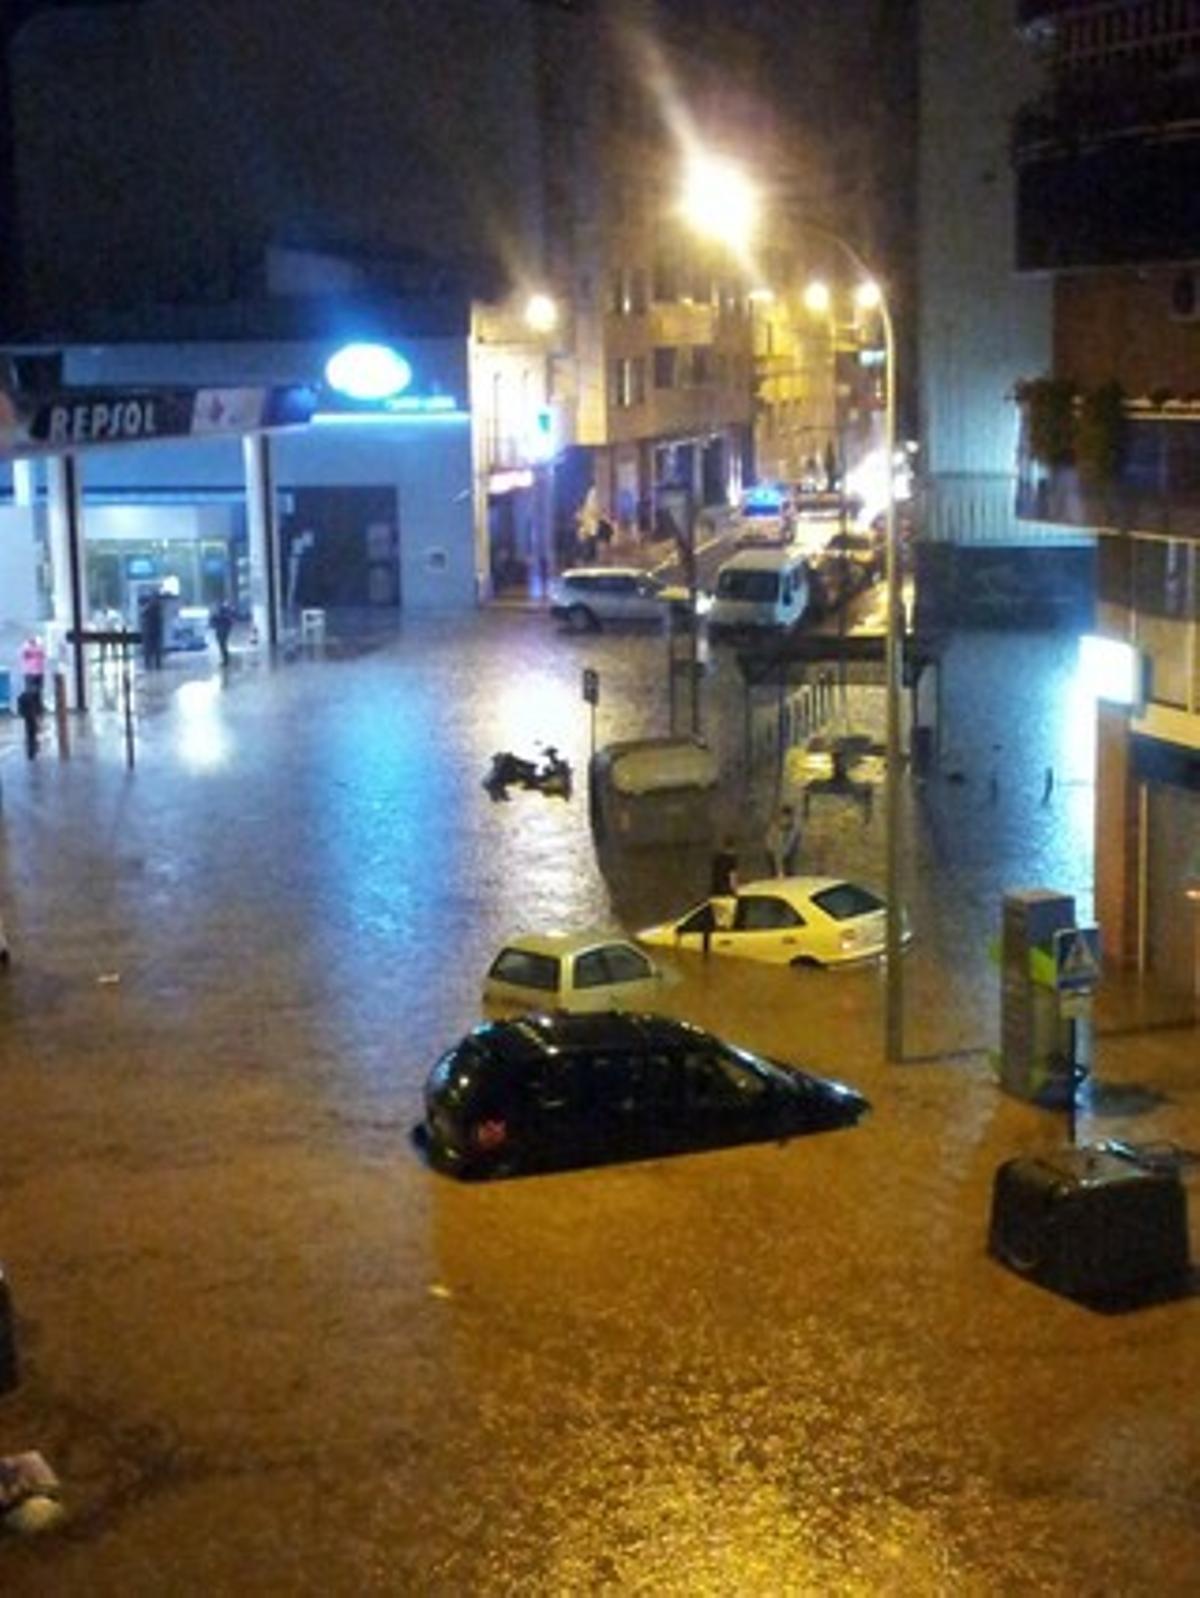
[551, 777]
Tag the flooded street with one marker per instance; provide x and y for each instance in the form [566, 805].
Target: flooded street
[269, 1352]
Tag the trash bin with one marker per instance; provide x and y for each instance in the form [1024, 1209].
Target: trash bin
[8, 1339]
[653, 791]
[1089, 1223]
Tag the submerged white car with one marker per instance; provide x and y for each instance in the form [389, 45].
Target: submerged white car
[577, 973]
[784, 921]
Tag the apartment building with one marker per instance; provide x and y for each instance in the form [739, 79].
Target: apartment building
[1108, 209]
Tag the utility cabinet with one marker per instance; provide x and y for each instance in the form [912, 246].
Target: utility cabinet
[1034, 1044]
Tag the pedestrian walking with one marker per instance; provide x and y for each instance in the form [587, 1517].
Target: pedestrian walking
[29, 708]
[725, 869]
[152, 623]
[220, 619]
[33, 667]
[783, 841]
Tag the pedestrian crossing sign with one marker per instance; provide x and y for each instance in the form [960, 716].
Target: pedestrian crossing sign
[1077, 959]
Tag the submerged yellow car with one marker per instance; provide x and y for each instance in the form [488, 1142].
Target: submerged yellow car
[573, 973]
[784, 921]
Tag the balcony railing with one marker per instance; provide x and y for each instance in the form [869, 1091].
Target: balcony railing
[1029, 11]
[1155, 488]
[1122, 106]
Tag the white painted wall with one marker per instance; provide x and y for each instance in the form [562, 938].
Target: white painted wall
[18, 587]
[982, 328]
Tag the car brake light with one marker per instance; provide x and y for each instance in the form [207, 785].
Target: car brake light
[489, 1134]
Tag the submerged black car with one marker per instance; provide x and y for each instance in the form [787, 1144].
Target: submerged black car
[545, 1092]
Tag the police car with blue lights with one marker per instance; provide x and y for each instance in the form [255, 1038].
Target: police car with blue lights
[765, 517]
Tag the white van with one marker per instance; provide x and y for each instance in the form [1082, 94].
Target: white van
[759, 588]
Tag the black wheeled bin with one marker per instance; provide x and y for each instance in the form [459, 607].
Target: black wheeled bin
[1089, 1223]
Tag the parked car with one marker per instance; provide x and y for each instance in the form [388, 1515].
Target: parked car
[576, 972]
[547, 1092]
[784, 921]
[759, 590]
[587, 598]
[764, 519]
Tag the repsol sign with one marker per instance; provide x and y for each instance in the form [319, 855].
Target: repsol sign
[101, 421]
[110, 418]
[76, 420]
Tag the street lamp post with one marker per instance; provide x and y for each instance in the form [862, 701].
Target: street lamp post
[715, 192]
[893, 654]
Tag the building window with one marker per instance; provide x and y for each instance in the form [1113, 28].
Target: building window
[627, 382]
[702, 365]
[638, 291]
[665, 366]
[665, 286]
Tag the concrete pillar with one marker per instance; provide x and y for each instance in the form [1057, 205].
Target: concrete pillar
[262, 538]
[24, 475]
[65, 527]
[1118, 837]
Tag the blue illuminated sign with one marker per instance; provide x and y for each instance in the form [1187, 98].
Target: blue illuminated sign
[368, 372]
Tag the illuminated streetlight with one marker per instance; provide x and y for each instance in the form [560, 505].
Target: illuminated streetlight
[719, 200]
[817, 298]
[541, 313]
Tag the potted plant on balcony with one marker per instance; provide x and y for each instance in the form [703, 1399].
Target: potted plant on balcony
[1049, 406]
[1099, 435]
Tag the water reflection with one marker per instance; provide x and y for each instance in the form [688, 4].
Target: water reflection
[202, 736]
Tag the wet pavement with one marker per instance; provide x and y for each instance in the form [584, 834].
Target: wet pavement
[269, 1352]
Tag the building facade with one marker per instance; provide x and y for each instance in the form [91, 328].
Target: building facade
[408, 165]
[1107, 213]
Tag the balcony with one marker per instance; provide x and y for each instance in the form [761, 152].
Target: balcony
[1154, 489]
[1123, 204]
[1106, 167]
[1030, 12]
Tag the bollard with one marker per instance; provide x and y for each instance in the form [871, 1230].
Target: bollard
[61, 726]
[9, 1375]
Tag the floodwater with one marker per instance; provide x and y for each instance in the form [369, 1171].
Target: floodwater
[269, 1352]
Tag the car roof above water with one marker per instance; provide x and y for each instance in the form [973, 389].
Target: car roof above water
[561, 945]
[538, 1037]
[590, 574]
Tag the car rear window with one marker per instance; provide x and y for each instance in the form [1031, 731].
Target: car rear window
[524, 969]
[845, 900]
[613, 963]
[757, 586]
